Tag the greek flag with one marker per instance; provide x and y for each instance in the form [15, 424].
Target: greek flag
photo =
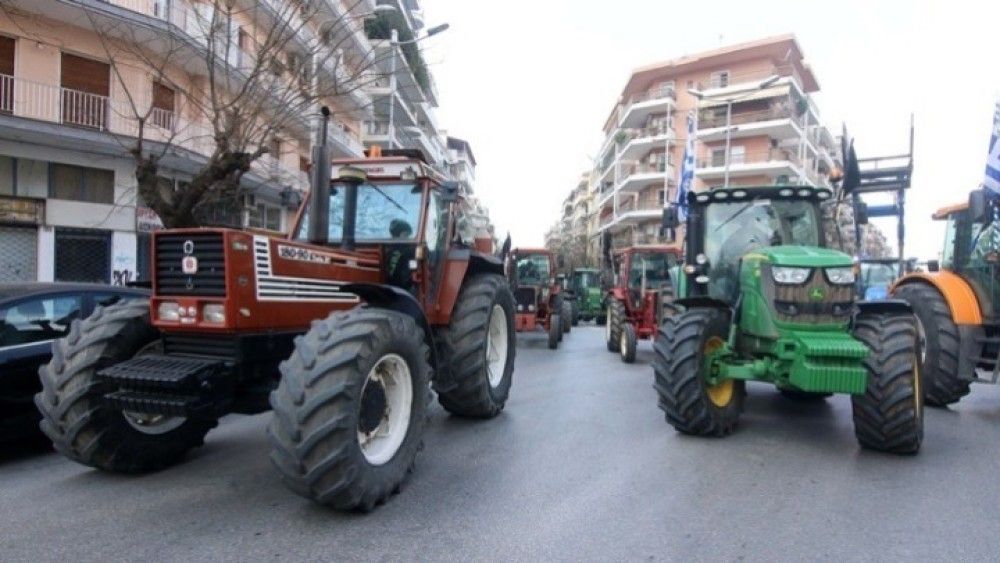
[687, 171]
[993, 160]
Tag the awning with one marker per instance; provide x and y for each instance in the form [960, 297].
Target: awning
[772, 92]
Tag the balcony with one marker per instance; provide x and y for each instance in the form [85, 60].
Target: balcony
[640, 141]
[777, 122]
[632, 212]
[775, 164]
[639, 175]
[641, 106]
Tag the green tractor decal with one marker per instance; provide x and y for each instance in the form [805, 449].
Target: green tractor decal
[765, 300]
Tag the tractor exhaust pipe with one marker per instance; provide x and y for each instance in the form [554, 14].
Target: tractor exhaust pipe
[319, 211]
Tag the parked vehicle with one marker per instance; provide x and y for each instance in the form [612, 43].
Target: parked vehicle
[641, 297]
[540, 305]
[32, 315]
[383, 289]
[766, 300]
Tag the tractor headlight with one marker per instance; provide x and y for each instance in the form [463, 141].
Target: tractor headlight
[168, 311]
[840, 276]
[787, 275]
[214, 313]
[531, 308]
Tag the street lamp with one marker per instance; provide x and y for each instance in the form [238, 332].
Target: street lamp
[729, 113]
[394, 42]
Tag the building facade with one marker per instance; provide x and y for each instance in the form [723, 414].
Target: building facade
[775, 133]
[69, 209]
[573, 235]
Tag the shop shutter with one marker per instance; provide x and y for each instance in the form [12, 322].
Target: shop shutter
[18, 254]
[83, 255]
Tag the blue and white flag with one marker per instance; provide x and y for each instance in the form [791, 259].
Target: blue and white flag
[687, 171]
[993, 160]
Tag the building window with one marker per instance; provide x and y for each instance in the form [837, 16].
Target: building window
[720, 79]
[77, 183]
[718, 157]
[263, 216]
[737, 154]
[86, 85]
[7, 74]
[7, 168]
[162, 114]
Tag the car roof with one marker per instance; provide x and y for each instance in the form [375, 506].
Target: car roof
[24, 289]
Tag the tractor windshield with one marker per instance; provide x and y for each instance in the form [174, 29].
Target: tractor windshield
[734, 229]
[385, 212]
[652, 267]
[583, 280]
[533, 269]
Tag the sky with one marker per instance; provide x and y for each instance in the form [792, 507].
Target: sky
[529, 85]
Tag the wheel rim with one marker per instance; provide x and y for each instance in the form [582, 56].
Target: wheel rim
[150, 423]
[721, 393]
[607, 326]
[623, 342]
[921, 341]
[384, 413]
[496, 346]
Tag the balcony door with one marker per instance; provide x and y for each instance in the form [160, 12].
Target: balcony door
[6, 74]
[86, 85]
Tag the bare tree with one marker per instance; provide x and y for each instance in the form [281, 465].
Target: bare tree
[230, 78]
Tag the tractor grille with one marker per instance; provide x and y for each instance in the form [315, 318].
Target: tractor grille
[525, 296]
[799, 304]
[214, 345]
[208, 281]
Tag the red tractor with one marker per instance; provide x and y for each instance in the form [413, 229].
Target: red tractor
[378, 294]
[531, 274]
[641, 295]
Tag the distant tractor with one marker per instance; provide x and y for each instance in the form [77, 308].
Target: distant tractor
[641, 297]
[531, 275]
[957, 303]
[586, 296]
[765, 300]
[341, 328]
[876, 276]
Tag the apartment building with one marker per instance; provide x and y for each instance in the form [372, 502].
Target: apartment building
[572, 235]
[775, 133]
[461, 163]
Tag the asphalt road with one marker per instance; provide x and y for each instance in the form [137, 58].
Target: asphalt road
[580, 466]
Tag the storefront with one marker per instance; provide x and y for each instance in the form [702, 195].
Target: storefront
[19, 221]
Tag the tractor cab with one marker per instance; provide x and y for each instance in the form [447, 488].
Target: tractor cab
[647, 269]
[532, 278]
[876, 276]
[972, 248]
[587, 295]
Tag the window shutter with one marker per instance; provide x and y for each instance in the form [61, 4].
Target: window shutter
[85, 75]
[163, 97]
[7, 56]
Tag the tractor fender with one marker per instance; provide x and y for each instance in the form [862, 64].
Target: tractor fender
[392, 298]
[459, 265]
[702, 302]
[956, 291]
[884, 306]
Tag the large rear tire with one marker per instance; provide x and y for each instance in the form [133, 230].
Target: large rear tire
[943, 385]
[476, 351]
[350, 410]
[75, 415]
[691, 405]
[889, 416]
[616, 317]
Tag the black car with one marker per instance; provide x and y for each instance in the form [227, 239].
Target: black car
[32, 315]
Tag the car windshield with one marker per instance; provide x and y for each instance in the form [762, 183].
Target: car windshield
[736, 228]
[385, 212]
[533, 269]
[654, 266]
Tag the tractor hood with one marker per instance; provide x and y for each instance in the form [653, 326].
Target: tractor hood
[805, 256]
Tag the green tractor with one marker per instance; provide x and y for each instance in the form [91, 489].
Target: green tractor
[765, 300]
[587, 296]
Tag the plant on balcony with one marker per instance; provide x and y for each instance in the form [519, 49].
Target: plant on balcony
[381, 26]
[226, 99]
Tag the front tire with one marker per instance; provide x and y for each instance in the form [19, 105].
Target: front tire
[350, 409]
[889, 416]
[74, 413]
[567, 317]
[555, 331]
[690, 405]
[943, 385]
[476, 350]
[616, 317]
[628, 344]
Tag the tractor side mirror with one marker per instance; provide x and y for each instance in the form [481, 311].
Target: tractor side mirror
[861, 213]
[933, 266]
[671, 219]
[978, 207]
[449, 192]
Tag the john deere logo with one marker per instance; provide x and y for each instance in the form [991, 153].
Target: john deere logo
[817, 294]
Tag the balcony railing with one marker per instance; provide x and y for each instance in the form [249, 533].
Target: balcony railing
[710, 119]
[718, 160]
[657, 94]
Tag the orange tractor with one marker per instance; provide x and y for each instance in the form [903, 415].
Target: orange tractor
[957, 303]
[379, 293]
[540, 304]
[641, 297]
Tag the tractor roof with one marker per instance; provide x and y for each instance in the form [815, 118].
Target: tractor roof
[651, 248]
[522, 251]
[944, 212]
[389, 168]
[781, 191]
